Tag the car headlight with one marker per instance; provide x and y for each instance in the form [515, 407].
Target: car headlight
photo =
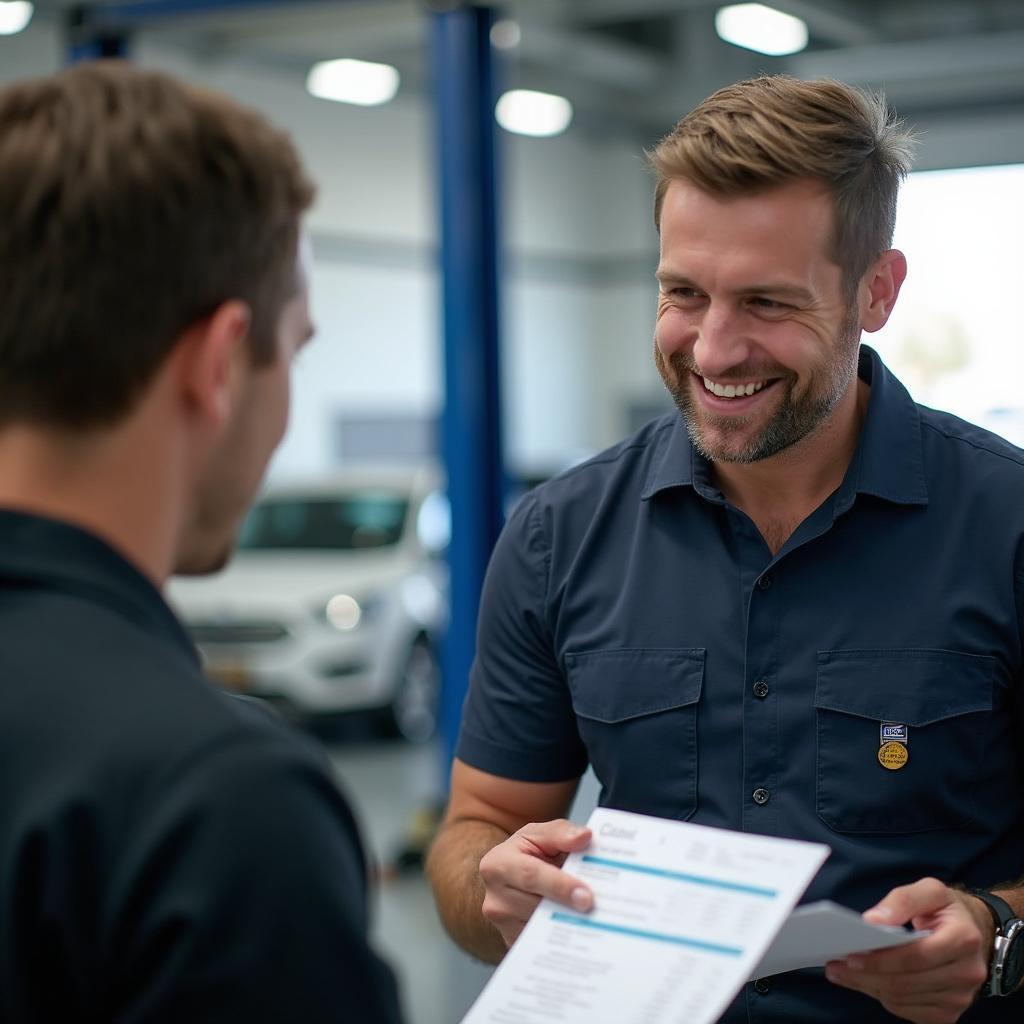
[345, 613]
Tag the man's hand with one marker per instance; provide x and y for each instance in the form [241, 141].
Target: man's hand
[526, 867]
[935, 979]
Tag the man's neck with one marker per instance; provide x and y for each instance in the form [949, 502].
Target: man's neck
[781, 492]
[106, 485]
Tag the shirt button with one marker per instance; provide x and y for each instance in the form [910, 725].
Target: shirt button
[760, 688]
[762, 986]
[765, 581]
[761, 796]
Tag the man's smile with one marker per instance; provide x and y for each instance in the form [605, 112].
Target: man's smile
[733, 390]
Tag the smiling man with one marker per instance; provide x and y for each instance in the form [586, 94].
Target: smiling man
[793, 608]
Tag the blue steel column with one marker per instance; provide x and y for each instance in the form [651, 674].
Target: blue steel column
[471, 421]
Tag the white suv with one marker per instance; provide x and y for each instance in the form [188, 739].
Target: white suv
[334, 601]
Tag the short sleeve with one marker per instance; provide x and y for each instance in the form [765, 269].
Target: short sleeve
[518, 720]
[241, 897]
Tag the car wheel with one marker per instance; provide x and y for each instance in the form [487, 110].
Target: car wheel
[412, 713]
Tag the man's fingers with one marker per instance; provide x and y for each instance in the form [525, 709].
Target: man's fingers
[527, 862]
[520, 871]
[921, 986]
[509, 905]
[937, 951]
[932, 980]
[552, 838]
[906, 902]
[929, 982]
[942, 1003]
[537, 877]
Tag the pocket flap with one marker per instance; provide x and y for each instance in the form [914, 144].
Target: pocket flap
[915, 686]
[616, 685]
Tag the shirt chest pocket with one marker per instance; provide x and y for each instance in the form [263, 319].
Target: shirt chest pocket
[943, 698]
[636, 710]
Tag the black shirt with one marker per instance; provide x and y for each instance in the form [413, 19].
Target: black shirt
[167, 853]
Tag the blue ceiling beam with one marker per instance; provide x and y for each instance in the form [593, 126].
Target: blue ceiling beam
[136, 13]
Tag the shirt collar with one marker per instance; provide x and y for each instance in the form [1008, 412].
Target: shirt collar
[888, 462]
[47, 553]
[672, 465]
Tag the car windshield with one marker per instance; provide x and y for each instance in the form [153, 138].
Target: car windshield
[372, 519]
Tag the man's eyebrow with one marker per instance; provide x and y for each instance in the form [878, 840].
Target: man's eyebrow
[668, 274]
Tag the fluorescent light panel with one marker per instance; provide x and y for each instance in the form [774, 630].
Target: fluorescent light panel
[14, 16]
[526, 112]
[353, 81]
[760, 28]
[506, 34]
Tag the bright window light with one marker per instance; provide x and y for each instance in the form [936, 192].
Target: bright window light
[353, 81]
[760, 28]
[952, 350]
[14, 16]
[526, 112]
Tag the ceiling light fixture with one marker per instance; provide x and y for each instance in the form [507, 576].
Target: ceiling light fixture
[506, 34]
[760, 28]
[353, 81]
[526, 112]
[14, 16]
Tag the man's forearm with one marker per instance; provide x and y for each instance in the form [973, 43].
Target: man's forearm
[453, 868]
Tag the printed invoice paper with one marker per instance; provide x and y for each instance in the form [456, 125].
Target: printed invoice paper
[682, 916]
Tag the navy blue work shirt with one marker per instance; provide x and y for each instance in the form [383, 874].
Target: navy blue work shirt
[634, 620]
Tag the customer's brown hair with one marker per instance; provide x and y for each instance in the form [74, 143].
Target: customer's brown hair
[131, 206]
[771, 130]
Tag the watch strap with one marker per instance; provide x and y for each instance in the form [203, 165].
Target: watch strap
[1008, 926]
[1002, 912]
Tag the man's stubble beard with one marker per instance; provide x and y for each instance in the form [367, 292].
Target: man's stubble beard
[794, 420]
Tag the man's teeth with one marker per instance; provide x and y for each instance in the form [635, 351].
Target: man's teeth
[732, 390]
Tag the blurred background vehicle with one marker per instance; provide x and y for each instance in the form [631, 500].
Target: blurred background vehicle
[334, 601]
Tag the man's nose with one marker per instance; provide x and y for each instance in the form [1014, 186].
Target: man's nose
[721, 341]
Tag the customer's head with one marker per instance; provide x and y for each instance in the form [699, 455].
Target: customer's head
[774, 130]
[131, 207]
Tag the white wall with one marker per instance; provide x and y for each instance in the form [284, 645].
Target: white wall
[376, 288]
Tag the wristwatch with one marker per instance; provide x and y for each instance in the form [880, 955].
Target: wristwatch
[1006, 968]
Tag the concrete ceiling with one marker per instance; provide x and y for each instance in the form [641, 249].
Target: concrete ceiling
[634, 66]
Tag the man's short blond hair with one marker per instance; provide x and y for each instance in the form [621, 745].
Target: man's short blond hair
[772, 130]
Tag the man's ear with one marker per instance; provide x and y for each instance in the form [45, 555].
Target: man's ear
[214, 351]
[880, 288]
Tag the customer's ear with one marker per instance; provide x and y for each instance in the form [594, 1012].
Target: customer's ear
[214, 357]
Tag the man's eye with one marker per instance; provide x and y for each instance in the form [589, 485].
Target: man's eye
[769, 304]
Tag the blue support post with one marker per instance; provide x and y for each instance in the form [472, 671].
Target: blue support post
[471, 421]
